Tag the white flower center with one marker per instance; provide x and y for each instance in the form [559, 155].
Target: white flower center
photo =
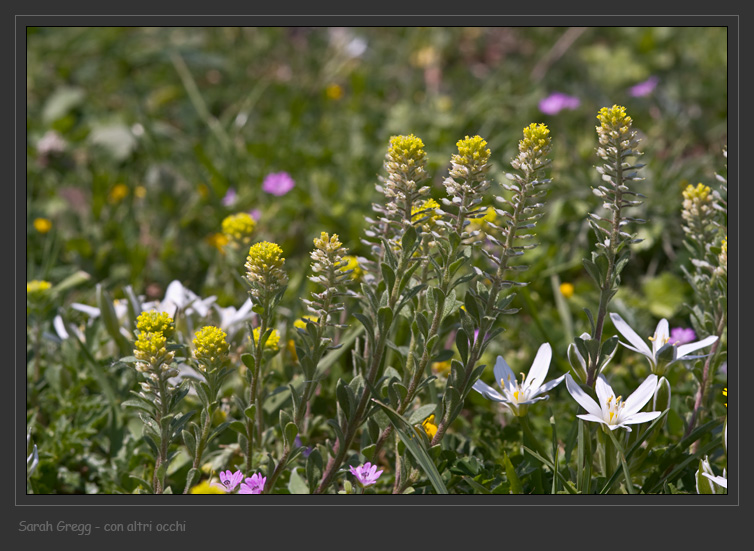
[614, 409]
[515, 394]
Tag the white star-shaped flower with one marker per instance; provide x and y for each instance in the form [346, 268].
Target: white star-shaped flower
[612, 411]
[517, 396]
[663, 352]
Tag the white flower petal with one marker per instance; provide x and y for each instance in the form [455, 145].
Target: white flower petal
[590, 417]
[582, 397]
[548, 386]
[686, 348]
[488, 392]
[625, 330]
[90, 311]
[640, 396]
[662, 332]
[539, 368]
[503, 374]
[604, 392]
[642, 417]
[719, 480]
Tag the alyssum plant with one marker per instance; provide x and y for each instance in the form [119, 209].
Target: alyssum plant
[434, 288]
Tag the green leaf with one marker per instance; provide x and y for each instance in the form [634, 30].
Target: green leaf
[190, 442]
[296, 484]
[510, 472]
[415, 445]
[421, 413]
[248, 361]
[290, 433]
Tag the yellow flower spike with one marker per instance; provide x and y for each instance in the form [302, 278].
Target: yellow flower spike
[155, 322]
[615, 118]
[42, 225]
[326, 243]
[407, 150]
[264, 267]
[536, 139]
[472, 151]
[700, 193]
[426, 208]
[566, 289]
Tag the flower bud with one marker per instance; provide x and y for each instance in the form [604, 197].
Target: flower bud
[661, 399]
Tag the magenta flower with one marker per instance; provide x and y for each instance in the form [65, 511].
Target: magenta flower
[230, 197]
[229, 480]
[253, 485]
[681, 335]
[644, 88]
[256, 214]
[556, 102]
[366, 474]
[278, 183]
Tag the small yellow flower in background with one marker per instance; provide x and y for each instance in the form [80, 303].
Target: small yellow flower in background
[566, 289]
[36, 290]
[725, 393]
[237, 228]
[155, 322]
[273, 340]
[426, 209]
[722, 258]
[42, 225]
[204, 487]
[481, 223]
[140, 192]
[425, 57]
[352, 263]
[334, 91]
[118, 193]
[210, 346]
[441, 368]
[218, 240]
[429, 426]
[301, 324]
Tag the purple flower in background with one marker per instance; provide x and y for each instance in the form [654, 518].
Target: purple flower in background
[230, 197]
[644, 88]
[229, 480]
[366, 474]
[278, 183]
[256, 214]
[681, 335]
[556, 102]
[253, 485]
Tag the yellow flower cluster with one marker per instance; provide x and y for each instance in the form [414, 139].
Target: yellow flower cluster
[210, 346]
[155, 322]
[725, 393]
[407, 150]
[472, 152]
[36, 290]
[264, 267]
[150, 347]
[326, 243]
[273, 341]
[614, 119]
[698, 194]
[237, 228]
[536, 139]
